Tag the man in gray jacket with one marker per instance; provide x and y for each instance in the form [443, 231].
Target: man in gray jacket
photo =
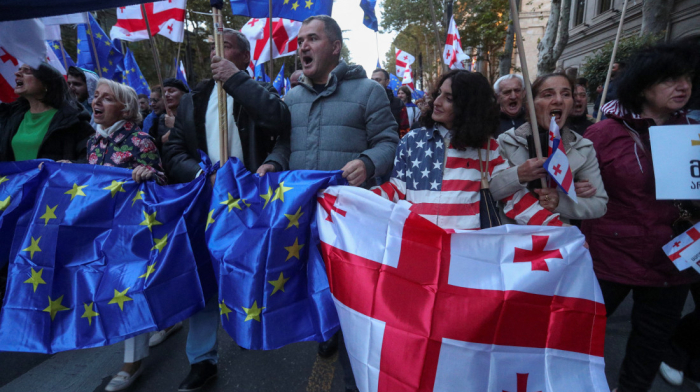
[340, 118]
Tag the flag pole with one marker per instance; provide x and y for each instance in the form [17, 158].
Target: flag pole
[177, 59]
[224, 98]
[153, 45]
[63, 54]
[612, 61]
[94, 48]
[269, 22]
[223, 112]
[376, 37]
[528, 86]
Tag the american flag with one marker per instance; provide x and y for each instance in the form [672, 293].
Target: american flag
[446, 191]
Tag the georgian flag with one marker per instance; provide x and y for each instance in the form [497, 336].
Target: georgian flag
[512, 308]
[408, 78]
[21, 42]
[403, 61]
[557, 165]
[677, 245]
[284, 38]
[453, 53]
[166, 18]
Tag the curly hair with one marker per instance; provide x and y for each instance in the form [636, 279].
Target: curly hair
[474, 107]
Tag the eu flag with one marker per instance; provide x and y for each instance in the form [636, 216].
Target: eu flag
[289, 9]
[101, 258]
[370, 19]
[61, 54]
[394, 83]
[273, 288]
[133, 76]
[279, 81]
[106, 54]
[260, 74]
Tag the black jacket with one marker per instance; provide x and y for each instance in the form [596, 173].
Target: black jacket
[507, 122]
[260, 115]
[66, 137]
[395, 104]
[579, 124]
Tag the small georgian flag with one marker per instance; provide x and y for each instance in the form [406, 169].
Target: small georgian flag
[557, 165]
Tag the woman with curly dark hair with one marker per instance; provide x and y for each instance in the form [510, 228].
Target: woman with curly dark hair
[439, 167]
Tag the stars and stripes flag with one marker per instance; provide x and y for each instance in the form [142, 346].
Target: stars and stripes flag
[512, 308]
[403, 61]
[166, 18]
[453, 55]
[557, 164]
[284, 38]
[677, 245]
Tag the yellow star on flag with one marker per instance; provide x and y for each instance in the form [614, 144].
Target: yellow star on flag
[278, 284]
[55, 307]
[5, 203]
[3, 179]
[104, 69]
[149, 270]
[139, 196]
[210, 219]
[267, 196]
[98, 35]
[295, 5]
[108, 44]
[55, 46]
[78, 41]
[133, 69]
[126, 72]
[308, 4]
[78, 51]
[253, 313]
[160, 243]
[117, 186]
[286, 2]
[36, 279]
[294, 250]
[119, 298]
[49, 214]
[279, 193]
[294, 219]
[224, 309]
[89, 313]
[76, 191]
[34, 247]
[150, 221]
[231, 203]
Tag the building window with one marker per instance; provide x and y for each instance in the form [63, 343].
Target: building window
[580, 11]
[605, 5]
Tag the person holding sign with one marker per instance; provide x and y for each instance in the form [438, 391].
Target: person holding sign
[626, 244]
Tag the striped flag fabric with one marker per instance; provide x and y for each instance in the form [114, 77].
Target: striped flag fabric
[403, 61]
[512, 308]
[557, 165]
[284, 38]
[166, 18]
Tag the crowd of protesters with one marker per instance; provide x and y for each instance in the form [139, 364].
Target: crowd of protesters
[336, 118]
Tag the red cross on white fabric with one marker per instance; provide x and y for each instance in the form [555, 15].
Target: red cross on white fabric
[279, 37]
[538, 254]
[8, 57]
[557, 169]
[328, 204]
[253, 22]
[170, 28]
[522, 382]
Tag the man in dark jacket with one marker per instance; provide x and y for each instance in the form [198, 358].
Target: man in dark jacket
[256, 117]
[398, 108]
[578, 120]
[509, 91]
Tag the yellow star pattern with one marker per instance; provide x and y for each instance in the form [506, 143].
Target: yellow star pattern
[149, 270]
[160, 243]
[133, 69]
[78, 41]
[286, 2]
[3, 179]
[267, 196]
[231, 203]
[55, 46]
[55, 307]
[89, 313]
[78, 51]
[108, 44]
[224, 309]
[104, 69]
[34, 247]
[117, 186]
[210, 219]
[5, 203]
[150, 221]
[278, 284]
[253, 313]
[294, 250]
[294, 219]
[98, 35]
[295, 5]
[36, 279]
[308, 4]
[139, 196]
[49, 214]
[76, 191]
[279, 193]
[119, 298]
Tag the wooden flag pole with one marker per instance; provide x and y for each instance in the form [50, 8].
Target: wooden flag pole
[63, 54]
[223, 112]
[612, 61]
[269, 22]
[528, 85]
[177, 59]
[153, 45]
[224, 98]
[94, 48]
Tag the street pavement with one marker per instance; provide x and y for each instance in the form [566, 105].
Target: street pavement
[294, 368]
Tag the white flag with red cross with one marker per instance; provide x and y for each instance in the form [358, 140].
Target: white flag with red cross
[408, 79]
[284, 38]
[166, 18]
[675, 250]
[403, 61]
[557, 163]
[512, 308]
[21, 42]
[453, 55]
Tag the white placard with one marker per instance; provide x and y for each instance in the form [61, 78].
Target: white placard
[676, 154]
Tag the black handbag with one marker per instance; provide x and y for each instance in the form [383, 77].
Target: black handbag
[488, 211]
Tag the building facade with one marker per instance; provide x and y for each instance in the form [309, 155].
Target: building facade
[533, 21]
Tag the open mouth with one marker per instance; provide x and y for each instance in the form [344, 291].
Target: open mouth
[306, 60]
[512, 105]
[556, 113]
[98, 112]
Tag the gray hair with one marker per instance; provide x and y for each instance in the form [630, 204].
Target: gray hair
[330, 27]
[126, 96]
[497, 87]
[241, 39]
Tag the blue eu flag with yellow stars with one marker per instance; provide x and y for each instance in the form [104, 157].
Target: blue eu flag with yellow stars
[394, 83]
[370, 18]
[260, 74]
[289, 9]
[100, 258]
[133, 76]
[104, 51]
[273, 288]
[61, 54]
[279, 81]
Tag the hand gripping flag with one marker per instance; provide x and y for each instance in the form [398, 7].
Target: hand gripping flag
[557, 164]
[370, 18]
[103, 53]
[453, 53]
[677, 245]
[513, 308]
[403, 61]
[288, 9]
[284, 38]
[133, 76]
[272, 287]
[166, 18]
[98, 258]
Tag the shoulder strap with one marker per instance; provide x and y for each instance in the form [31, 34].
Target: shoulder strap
[484, 174]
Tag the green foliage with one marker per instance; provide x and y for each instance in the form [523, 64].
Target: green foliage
[595, 67]
[484, 23]
[400, 14]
